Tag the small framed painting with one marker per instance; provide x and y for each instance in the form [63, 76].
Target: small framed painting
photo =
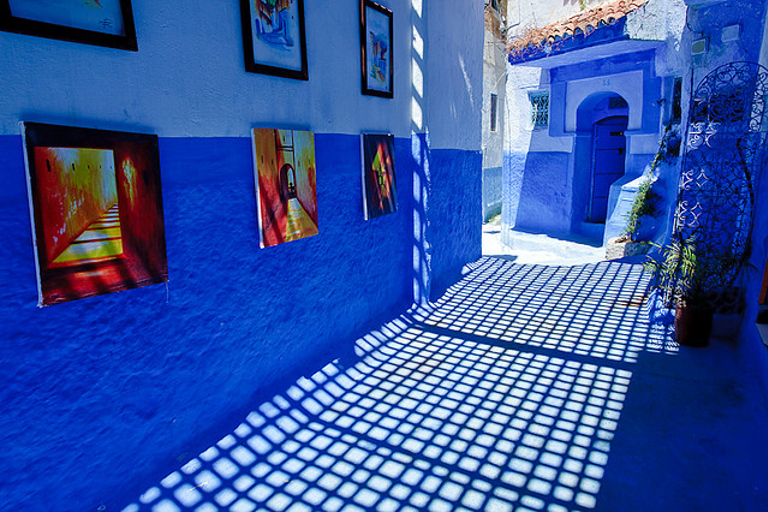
[286, 191]
[98, 22]
[379, 188]
[97, 211]
[274, 37]
[376, 49]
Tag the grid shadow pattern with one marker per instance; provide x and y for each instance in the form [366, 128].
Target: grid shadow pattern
[597, 310]
[434, 418]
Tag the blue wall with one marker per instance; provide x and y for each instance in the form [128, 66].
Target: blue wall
[492, 184]
[101, 395]
[102, 392]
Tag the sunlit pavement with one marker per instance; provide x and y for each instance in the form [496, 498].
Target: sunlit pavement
[540, 249]
[525, 388]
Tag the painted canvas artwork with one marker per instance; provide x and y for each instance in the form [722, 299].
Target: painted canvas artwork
[379, 188]
[104, 16]
[284, 169]
[376, 38]
[97, 212]
[274, 37]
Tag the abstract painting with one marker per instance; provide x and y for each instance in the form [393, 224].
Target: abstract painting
[97, 212]
[99, 22]
[379, 188]
[284, 170]
[376, 49]
[273, 37]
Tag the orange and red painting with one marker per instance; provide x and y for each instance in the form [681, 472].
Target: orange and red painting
[284, 170]
[379, 190]
[97, 211]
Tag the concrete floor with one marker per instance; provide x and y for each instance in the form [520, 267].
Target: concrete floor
[525, 387]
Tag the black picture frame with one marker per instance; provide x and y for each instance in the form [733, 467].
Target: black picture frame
[48, 28]
[256, 61]
[372, 16]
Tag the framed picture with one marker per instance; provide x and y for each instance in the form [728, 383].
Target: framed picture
[273, 37]
[96, 208]
[98, 22]
[376, 49]
[379, 187]
[286, 192]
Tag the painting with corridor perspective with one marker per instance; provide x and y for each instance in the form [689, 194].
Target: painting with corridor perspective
[96, 210]
[286, 192]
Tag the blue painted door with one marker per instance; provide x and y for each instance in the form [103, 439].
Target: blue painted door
[609, 152]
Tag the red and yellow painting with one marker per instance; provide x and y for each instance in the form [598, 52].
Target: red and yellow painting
[379, 189]
[284, 169]
[97, 211]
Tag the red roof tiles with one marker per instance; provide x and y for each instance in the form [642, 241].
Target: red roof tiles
[584, 22]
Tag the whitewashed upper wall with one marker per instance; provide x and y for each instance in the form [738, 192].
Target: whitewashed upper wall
[188, 77]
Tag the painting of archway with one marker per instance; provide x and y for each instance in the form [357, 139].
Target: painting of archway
[284, 171]
[97, 212]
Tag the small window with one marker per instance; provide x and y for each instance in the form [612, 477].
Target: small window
[677, 95]
[494, 106]
[539, 108]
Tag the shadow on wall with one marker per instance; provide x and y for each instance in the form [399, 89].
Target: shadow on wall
[508, 392]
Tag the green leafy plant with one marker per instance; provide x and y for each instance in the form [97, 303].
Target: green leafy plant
[646, 201]
[685, 277]
[676, 273]
[645, 204]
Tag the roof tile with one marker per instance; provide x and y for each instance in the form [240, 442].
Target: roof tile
[583, 23]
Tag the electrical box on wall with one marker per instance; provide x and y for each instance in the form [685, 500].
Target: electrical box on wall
[700, 46]
[730, 33]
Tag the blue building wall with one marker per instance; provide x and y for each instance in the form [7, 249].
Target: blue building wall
[547, 177]
[102, 394]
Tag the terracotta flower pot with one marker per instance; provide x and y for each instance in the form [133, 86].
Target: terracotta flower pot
[693, 326]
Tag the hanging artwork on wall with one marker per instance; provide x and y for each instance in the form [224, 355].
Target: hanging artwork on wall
[286, 192]
[379, 188]
[376, 49]
[273, 37]
[97, 212]
[98, 22]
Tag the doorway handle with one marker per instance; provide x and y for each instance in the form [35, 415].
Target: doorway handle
[621, 151]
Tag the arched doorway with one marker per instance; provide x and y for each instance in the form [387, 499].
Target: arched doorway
[287, 182]
[600, 155]
[609, 145]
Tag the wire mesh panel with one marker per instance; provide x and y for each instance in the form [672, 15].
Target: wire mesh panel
[724, 154]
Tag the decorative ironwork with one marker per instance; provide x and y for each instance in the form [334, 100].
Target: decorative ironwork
[539, 108]
[724, 153]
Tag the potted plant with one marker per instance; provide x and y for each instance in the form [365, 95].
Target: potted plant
[680, 277]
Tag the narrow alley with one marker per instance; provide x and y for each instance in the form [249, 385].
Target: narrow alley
[525, 387]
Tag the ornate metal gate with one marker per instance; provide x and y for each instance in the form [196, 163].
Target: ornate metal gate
[724, 154]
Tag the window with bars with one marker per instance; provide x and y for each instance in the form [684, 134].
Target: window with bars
[494, 107]
[539, 108]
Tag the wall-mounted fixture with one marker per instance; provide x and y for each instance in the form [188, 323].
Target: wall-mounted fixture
[730, 33]
[700, 46]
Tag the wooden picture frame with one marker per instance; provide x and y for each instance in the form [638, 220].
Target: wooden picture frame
[376, 39]
[102, 23]
[378, 176]
[274, 39]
